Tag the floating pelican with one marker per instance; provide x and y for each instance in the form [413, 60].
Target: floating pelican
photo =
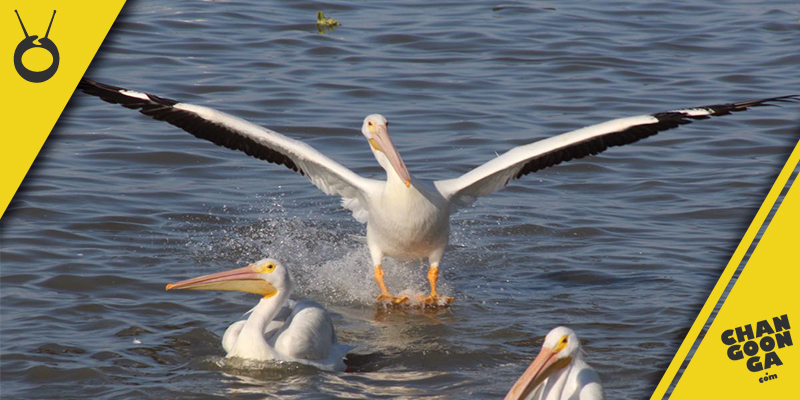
[406, 218]
[558, 372]
[277, 328]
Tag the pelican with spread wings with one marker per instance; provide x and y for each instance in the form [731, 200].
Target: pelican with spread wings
[407, 217]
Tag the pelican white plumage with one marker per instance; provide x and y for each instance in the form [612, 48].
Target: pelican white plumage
[558, 372]
[407, 218]
[277, 328]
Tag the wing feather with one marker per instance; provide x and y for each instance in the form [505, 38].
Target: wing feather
[237, 134]
[519, 161]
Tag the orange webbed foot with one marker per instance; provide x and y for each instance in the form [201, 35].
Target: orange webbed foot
[435, 301]
[393, 300]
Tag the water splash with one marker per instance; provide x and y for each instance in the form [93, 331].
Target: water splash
[328, 261]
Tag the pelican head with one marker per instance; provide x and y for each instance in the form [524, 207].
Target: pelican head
[266, 277]
[376, 130]
[560, 346]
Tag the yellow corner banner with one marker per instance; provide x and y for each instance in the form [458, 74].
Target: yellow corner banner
[748, 351]
[53, 43]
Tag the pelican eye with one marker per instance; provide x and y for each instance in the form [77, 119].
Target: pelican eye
[369, 123]
[387, 123]
[267, 268]
[561, 344]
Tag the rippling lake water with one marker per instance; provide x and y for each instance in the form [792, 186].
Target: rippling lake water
[623, 247]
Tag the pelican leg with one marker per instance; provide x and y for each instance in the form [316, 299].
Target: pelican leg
[433, 299]
[385, 295]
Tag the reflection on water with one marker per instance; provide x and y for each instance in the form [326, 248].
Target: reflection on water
[393, 314]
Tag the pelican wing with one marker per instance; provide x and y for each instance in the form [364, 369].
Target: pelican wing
[235, 133]
[308, 337]
[519, 161]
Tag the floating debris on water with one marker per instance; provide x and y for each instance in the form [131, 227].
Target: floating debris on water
[322, 20]
[324, 23]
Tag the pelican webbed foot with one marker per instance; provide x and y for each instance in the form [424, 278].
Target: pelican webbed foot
[385, 295]
[433, 300]
[393, 300]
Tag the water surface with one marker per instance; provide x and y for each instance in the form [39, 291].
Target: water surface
[623, 247]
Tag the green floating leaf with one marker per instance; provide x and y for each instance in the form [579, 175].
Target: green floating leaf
[324, 23]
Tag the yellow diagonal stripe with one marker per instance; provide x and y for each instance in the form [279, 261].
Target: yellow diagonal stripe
[30, 110]
[766, 289]
[759, 304]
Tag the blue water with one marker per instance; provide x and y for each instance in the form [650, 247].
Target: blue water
[623, 247]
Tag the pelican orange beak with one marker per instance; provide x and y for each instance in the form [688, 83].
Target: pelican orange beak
[381, 142]
[545, 364]
[245, 279]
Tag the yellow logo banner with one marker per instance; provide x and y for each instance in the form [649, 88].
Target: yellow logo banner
[748, 351]
[51, 43]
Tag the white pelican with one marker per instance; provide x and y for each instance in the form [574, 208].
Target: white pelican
[406, 218]
[277, 328]
[558, 372]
